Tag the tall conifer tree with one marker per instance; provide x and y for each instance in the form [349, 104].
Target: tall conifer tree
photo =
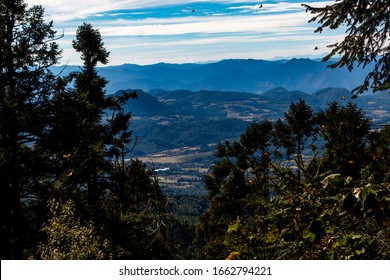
[27, 50]
[91, 128]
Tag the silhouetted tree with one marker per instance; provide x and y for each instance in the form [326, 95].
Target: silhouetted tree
[238, 185]
[89, 143]
[27, 50]
[367, 37]
[90, 88]
[345, 130]
[135, 215]
[297, 133]
[257, 143]
[340, 213]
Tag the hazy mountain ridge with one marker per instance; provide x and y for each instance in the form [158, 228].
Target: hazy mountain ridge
[242, 75]
[173, 119]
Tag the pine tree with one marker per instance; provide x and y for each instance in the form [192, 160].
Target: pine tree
[89, 142]
[257, 142]
[90, 86]
[238, 185]
[341, 213]
[89, 130]
[27, 50]
[367, 38]
[345, 130]
[297, 133]
[135, 215]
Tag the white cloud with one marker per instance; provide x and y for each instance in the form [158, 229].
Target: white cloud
[256, 33]
[267, 23]
[61, 10]
[253, 39]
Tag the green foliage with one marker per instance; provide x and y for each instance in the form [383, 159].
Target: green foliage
[337, 213]
[345, 130]
[135, 214]
[297, 133]
[366, 41]
[68, 239]
[379, 151]
[318, 225]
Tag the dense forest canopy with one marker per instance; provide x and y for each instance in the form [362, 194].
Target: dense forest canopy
[309, 185]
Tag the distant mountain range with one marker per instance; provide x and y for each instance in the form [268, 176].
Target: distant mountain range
[241, 75]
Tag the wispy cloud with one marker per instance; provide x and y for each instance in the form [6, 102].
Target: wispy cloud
[74, 9]
[171, 30]
[68, 10]
[271, 23]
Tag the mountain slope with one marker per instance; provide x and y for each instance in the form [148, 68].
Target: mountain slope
[144, 104]
[182, 118]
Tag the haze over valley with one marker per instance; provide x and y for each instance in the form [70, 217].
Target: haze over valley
[184, 110]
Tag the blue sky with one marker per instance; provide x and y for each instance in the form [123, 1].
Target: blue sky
[152, 31]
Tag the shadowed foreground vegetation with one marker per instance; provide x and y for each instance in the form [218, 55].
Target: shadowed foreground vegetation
[307, 186]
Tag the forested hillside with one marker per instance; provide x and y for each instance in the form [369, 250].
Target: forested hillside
[176, 119]
[289, 175]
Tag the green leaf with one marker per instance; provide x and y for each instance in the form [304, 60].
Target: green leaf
[309, 235]
[271, 236]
